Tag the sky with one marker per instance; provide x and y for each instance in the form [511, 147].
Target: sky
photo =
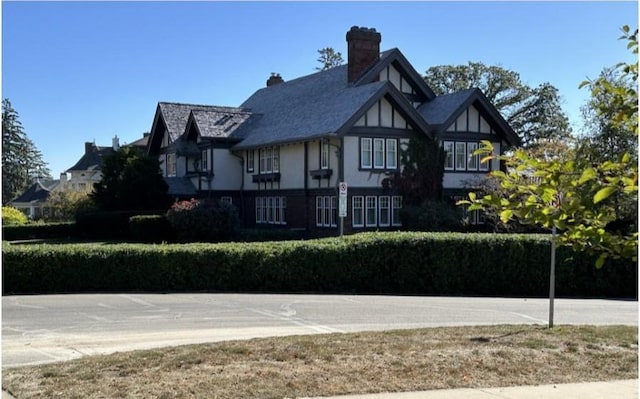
[81, 72]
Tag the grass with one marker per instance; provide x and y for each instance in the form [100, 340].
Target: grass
[334, 364]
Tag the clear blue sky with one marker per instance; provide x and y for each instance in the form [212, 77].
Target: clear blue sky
[86, 71]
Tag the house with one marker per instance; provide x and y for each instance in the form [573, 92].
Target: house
[280, 156]
[32, 202]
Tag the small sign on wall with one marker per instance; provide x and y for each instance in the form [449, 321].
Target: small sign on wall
[342, 202]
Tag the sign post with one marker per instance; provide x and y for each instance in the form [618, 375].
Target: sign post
[342, 205]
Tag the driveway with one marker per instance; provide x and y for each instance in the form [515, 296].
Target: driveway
[45, 329]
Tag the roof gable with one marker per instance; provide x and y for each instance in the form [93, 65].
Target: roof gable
[214, 123]
[442, 111]
[395, 58]
[92, 159]
[36, 192]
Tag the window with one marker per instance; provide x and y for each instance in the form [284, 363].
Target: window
[448, 155]
[392, 154]
[378, 153]
[271, 210]
[372, 211]
[226, 200]
[472, 160]
[396, 205]
[484, 165]
[383, 216]
[365, 153]
[269, 160]
[326, 211]
[461, 156]
[357, 211]
[250, 161]
[171, 165]
[324, 154]
[203, 160]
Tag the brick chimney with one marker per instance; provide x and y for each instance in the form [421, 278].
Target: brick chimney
[363, 46]
[274, 79]
[88, 147]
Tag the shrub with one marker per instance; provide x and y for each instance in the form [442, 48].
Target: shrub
[150, 228]
[96, 224]
[431, 216]
[203, 221]
[36, 231]
[11, 216]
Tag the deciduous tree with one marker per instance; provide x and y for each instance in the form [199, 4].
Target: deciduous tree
[329, 58]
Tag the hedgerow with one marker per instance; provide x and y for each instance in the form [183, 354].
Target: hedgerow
[368, 263]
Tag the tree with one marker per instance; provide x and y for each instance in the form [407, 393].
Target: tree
[130, 181]
[329, 58]
[534, 114]
[22, 162]
[64, 205]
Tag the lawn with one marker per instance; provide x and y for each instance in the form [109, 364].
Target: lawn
[333, 364]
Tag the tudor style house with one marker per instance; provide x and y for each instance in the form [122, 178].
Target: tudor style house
[280, 156]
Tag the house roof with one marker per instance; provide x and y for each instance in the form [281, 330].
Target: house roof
[36, 192]
[443, 110]
[311, 106]
[180, 187]
[92, 159]
[217, 122]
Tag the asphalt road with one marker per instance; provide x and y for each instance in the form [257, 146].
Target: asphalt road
[45, 329]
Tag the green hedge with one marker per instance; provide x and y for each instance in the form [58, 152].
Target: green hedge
[388, 263]
[39, 231]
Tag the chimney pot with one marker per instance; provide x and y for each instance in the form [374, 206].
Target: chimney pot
[363, 46]
[274, 79]
[115, 143]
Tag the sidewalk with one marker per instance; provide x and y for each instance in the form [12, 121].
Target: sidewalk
[622, 389]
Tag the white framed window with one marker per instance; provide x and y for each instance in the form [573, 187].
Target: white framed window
[365, 153]
[227, 200]
[392, 153]
[269, 160]
[324, 154]
[384, 211]
[396, 205]
[326, 211]
[357, 211]
[461, 155]
[378, 153]
[484, 166]
[371, 211]
[171, 165]
[204, 158]
[472, 160]
[271, 210]
[448, 155]
[250, 161]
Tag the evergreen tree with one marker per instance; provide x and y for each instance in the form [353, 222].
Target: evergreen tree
[130, 181]
[22, 162]
[329, 58]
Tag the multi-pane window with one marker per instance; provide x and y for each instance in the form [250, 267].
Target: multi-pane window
[269, 160]
[357, 211]
[250, 161]
[472, 160]
[326, 211]
[365, 153]
[461, 155]
[324, 154]
[371, 211]
[171, 165]
[448, 155]
[271, 210]
[396, 205]
[471, 217]
[203, 160]
[378, 153]
[384, 211]
[226, 200]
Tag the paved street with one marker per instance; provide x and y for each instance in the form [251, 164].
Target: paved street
[42, 329]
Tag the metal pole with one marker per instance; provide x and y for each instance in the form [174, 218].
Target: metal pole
[552, 277]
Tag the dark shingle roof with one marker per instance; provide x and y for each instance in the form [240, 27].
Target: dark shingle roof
[37, 192]
[92, 159]
[219, 122]
[176, 115]
[441, 108]
[311, 106]
[180, 187]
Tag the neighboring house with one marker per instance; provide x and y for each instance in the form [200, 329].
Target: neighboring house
[32, 202]
[280, 155]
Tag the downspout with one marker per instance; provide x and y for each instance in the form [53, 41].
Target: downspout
[241, 187]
